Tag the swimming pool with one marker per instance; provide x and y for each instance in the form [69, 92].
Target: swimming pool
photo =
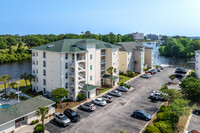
[4, 105]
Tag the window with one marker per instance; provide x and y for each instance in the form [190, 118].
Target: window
[34, 80]
[37, 71]
[66, 56]
[44, 63]
[66, 85]
[90, 56]
[33, 71]
[44, 90]
[44, 81]
[90, 67]
[36, 62]
[44, 55]
[90, 77]
[33, 62]
[66, 65]
[37, 79]
[66, 76]
[36, 53]
[44, 72]
[33, 54]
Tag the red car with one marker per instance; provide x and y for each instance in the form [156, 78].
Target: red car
[149, 72]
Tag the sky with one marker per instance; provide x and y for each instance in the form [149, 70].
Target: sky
[166, 17]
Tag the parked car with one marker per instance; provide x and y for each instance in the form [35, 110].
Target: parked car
[88, 106]
[142, 115]
[122, 88]
[115, 93]
[178, 75]
[161, 67]
[150, 72]
[99, 101]
[154, 71]
[196, 111]
[107, 98]
[61, 119]
[72, 115]
[192, 131]
[157, 95]
[180, 70]
[146, 75]
[158, 69]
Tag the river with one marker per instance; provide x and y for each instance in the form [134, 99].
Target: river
[17, 68]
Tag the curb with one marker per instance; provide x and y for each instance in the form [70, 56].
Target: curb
[142, 130]
[188, 121]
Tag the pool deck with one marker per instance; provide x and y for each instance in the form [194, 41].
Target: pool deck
[11, 102]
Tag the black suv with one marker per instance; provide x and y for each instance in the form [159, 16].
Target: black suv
[197, 111]
[72, 115]
[181, 70]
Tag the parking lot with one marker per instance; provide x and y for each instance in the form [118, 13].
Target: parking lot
[117, 115]
[194, 123]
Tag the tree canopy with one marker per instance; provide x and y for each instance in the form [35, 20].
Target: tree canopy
[59, 93]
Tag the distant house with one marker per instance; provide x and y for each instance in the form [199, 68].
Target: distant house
[23, 113]
[197, 63]
[151, 37]
[134, 57]
[138, 36]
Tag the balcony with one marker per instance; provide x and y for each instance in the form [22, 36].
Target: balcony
[103, 61]
[71, 84]
[71, 74]
[103, 68]
[81, 58]
[71, 64]
[81, 85]
[103, 53]
[81, 67]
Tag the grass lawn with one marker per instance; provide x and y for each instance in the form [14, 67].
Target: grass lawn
[104, 90]
[123, 78]
[22, 83]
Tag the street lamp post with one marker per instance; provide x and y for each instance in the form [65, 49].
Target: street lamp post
[18, 90]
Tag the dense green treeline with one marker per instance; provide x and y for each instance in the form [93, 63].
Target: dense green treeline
[15, 48]
[180, 47]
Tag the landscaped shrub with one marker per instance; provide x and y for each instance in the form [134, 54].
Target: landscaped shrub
[81, 97]
[163, 126]
[121, 73]
[38, 128]
[152, 129]
[34, 122]
[163, 108]
[130, 74]
[12, 95]
[40, 92]
[128, 86]
[23, 98]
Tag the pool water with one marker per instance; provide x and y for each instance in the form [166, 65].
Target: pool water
[4, 105]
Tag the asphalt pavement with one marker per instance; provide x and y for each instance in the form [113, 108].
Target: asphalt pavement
[118, 114]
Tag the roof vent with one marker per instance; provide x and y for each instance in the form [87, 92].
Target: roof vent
[50, 45]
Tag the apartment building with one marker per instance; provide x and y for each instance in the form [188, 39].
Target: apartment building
[78, 65]
[138, 36]
[134, 57]
[197, 63]
[151, 37]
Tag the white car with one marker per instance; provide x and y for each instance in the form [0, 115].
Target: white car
[158, 95]
[122, 88]
[99, 101]
[61, 119]
[115, 93]
[146, 75]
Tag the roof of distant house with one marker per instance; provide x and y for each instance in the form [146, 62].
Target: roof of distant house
[130, 46]
[70, 45]
[21, 109]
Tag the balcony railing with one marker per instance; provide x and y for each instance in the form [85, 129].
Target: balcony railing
[103, 53]
[71, 64]
[71, 74]
[81, 85]
[81, 58]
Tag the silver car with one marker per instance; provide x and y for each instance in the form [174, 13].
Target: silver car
[122, 88]
[146, 75]
[61, 119]
[115, 93]
[88, 106]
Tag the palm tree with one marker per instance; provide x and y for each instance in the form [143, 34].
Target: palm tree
[5, 79]
[30, 77]
[12, 85]
[42, 111]
[25, 77]
[111, 70]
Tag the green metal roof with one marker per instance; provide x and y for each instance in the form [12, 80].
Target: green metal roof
[18, 110]
[88, 87]
[70, 45]
[106, 76]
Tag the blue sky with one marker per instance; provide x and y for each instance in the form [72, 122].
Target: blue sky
[169, 17]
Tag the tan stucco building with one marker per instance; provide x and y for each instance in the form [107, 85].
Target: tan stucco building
[78, 65]
[134, 57]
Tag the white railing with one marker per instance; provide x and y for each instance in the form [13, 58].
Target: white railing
[81, 75]
[103, 68]
[71, 74]
[81, 85]
[103, 53]
[81, 66]
[103, 61]
[81, 58]
[71, 84]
